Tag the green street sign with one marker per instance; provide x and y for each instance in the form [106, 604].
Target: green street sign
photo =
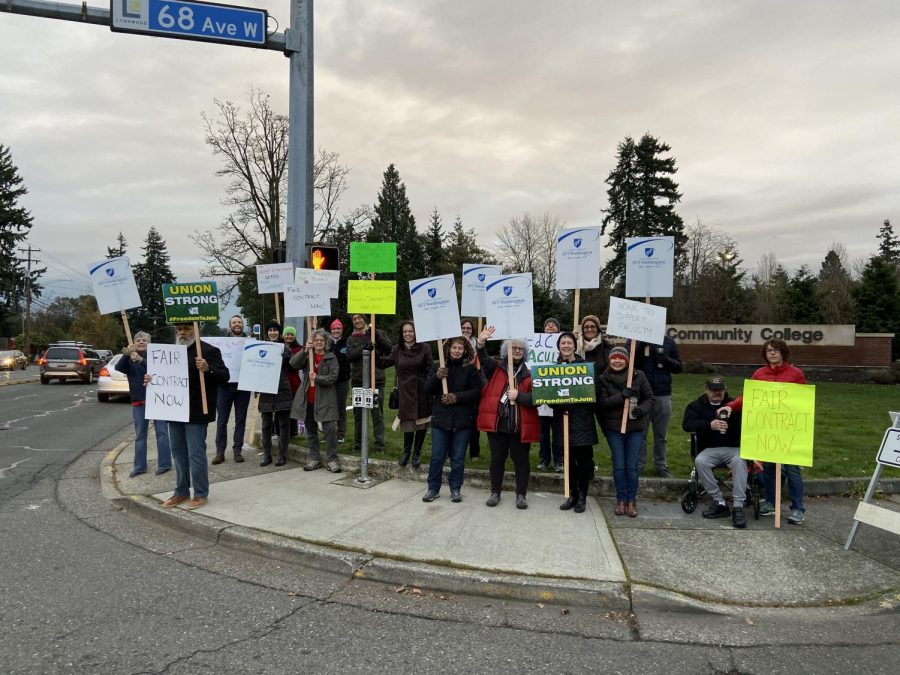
[378, 258]
[562, 383]
[189, 302]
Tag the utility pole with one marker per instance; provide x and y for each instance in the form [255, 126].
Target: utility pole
[27, 319]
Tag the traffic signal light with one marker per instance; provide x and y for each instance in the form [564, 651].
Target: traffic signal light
[322, 257]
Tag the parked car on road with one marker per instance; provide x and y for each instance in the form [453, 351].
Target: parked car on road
[111, 382]
[13, 359]
[67, 362]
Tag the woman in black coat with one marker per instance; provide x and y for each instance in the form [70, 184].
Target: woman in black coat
[412, 363]
[276, 408]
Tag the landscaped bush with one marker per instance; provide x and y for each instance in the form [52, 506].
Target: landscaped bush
[883, 376]
[694, 366]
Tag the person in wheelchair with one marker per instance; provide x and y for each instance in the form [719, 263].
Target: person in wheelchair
[718, 444]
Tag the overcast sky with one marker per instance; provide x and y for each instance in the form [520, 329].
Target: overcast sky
[784, 117]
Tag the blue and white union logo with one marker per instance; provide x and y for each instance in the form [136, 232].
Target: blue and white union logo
[507, 290]
[482, 277]
[648, 251]
[432, 292]
[110, 272]
[262, 353]
[577, 241]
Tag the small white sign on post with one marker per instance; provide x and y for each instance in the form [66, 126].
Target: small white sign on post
[168, 394]
[578, 258]
[273, 278]
[363, 397]
[232, 349]
[434, 307]
[261, 367]
[510, 307]
[636, 321]
[649, 267]
[329, 278]
[307, 300]
[474, 277]
[866, 512]
[889, 453]
[114, 286]
[541, 348]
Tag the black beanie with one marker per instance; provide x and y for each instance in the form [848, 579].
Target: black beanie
[273, 324]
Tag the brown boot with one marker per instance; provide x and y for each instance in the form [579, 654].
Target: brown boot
[631, 510]
[620, 509]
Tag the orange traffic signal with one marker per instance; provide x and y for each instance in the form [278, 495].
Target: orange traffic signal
[324, 257]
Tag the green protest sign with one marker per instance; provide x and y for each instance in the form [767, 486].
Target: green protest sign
[562, 383]
[190, 302]
[378, 258]
[777, 422]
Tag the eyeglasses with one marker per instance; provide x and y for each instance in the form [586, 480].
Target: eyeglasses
[772, 350]
[517, 349]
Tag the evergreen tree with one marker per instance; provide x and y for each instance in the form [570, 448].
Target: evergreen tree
[889, 245]
[119, 249]
[99, 330]
[834, 291]
[878, 300]
[393, 222]
[433, 245]
[462, 247]
[15, 223]
[150, 274]
[801, 297]
[642, 195]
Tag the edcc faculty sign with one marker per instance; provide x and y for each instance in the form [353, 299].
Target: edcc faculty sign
[757, 334]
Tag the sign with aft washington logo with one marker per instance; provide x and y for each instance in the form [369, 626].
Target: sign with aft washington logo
[261, 367]
[114, 286]
[474, 277]
[649, 267]
[510, 306]
[434, 307]
[578, 258]
[194, 301]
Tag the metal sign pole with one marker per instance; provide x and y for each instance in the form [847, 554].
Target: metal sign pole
[364, 423]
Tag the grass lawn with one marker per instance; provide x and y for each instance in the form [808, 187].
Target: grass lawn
[850, 422]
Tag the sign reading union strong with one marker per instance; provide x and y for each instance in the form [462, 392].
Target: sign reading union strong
[190, 302]
[757, 334]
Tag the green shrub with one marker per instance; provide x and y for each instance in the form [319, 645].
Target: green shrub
[883, 376]
[695, 366]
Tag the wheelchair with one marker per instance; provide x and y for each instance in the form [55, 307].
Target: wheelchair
[696, 490]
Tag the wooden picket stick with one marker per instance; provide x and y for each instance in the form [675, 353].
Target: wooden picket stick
[202, 377]
[127, 328]
[566, 453]
[577, 303]
[442, 364]
[480, 328]
[277, 310]
[778, 495]
[628, 384]
[510, 375]
[309, 331]
[253, 411]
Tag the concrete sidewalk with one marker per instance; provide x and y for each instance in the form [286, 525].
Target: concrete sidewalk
[664, 557]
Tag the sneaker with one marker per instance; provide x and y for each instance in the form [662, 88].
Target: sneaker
[665, 473]
[559, 467]
[766, 509]
[542, 466]
[218, 459]
[430, 496]
[796, 516]
[137, 473]
[312, 465]
[494, 499]
[716, 510]
[174, 500]
[196, 503]
[455, 496]
[334, 467]
[738, 518]
[340, 440]
[520, 502]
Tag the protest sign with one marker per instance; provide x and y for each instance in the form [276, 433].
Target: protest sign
[371, 297]
[168, 394]
[541, 348]
[307, 300]
[114, 286]
[190, 302]
[636, 320]
[649, 267]
[434, 307]
[562, 383]
[777, 421]
[378, 258]
[273, 278]
[329, 278]
[578, 258]
[509, 306]
[473, 281]
[232, 349]
[261, 367]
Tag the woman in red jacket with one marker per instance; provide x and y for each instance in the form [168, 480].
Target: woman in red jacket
[507, 415]
[777, 369]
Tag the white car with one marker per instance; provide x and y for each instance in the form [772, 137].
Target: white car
[111, 382]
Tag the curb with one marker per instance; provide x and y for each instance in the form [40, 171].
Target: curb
[12, 382]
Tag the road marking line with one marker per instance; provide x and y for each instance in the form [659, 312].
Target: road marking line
[12, 466]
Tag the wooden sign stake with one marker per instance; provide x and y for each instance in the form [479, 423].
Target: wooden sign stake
[566, 453]
[277, 310]
[442, 363]
[628, 384]
[202, 375]
[127, 328]
[777, 496]
[510, 375]
[577, 303]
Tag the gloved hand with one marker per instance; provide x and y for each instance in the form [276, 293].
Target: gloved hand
[628, 392]
[367, 345]
[448, 399]
[637, 413]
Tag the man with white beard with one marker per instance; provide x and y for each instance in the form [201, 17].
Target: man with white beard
[188, 439]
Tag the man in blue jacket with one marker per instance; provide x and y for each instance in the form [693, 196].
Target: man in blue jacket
[658, 362]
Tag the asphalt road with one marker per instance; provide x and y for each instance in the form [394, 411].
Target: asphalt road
[86, 588]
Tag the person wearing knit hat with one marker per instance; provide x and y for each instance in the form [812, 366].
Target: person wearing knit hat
[289, 330]
[336, 324]
[342, 387]
[613, 398]
[273, 327]
[275, 409]
[551, 325]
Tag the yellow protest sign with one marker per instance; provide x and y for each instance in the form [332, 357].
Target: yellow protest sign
[371, 297]
[777, 422]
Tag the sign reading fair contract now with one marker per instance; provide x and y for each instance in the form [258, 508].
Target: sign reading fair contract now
[186, 303]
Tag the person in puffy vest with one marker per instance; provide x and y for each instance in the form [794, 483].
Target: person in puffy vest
[507, 414]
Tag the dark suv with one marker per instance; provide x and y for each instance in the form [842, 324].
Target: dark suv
[63, 361]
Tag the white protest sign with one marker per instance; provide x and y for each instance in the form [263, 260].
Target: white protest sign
[329, 278]
[168, 394]
[510, 306]
[473, 281]
[434, 307]
[636, 320]
[232, 349]
[114, 287]
[273, 278]
[307, 300]
[261, 367]
[649, 267]
[578, 258]
[541, 348]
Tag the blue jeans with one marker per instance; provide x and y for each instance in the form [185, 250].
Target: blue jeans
[241, 401]
[794, 484]
[141, 427]
[189, 451]
[624, 449]
[442, 443]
